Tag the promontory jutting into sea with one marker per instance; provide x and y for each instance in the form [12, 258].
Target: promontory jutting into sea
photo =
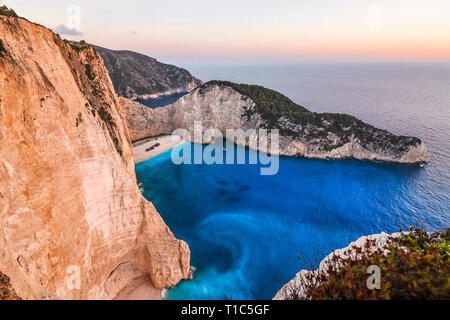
[290, 153]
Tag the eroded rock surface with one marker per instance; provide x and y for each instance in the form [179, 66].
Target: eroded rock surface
[69, 198]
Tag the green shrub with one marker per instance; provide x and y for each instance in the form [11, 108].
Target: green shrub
[89, 72]
[78, 46]
[272, 106]
[270, 103]
[4, 10]
[106, 117]
[2, 48]
[416, 267]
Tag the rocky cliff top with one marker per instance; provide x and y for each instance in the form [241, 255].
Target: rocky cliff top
[135, 75]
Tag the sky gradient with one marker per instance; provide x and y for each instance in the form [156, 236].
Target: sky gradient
[284, 30]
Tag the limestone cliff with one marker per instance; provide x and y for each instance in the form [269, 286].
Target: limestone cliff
[69, 200]
[224, 105]
[135, 75]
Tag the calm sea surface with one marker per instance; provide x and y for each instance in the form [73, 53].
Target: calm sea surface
[245, 230]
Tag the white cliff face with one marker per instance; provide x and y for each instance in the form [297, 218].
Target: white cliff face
[354, 150]
[69, 199]
[222, 107]
[296, 289]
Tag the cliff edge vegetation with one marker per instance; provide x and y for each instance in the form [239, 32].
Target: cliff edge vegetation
[293, 120]
[5, 11]
[412, 266]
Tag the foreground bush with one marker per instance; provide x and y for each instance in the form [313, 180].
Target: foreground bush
[417, 266]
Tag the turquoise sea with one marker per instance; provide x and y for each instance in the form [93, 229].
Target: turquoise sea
[245, 230]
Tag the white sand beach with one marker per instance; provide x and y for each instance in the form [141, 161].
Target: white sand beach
[148, 148]
[141, 288]
[146, 291]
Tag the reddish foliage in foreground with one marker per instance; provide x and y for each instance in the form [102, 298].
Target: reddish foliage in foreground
[416, 267]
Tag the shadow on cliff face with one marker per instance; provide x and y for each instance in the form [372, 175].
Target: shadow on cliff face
[7, 292]
[2, 49]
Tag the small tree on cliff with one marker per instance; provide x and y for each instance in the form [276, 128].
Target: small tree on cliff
[4, 10]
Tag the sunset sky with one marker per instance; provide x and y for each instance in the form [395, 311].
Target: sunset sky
[283, 30]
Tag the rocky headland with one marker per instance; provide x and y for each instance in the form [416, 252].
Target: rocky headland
[412, 265]
[226, 105]
[69, 198]
[297, 288]
[70, 204]
[137, 76]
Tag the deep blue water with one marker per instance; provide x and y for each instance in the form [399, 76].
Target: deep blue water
[161, 101]
[245, 230]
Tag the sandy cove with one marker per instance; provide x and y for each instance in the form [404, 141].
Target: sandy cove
[151, 147]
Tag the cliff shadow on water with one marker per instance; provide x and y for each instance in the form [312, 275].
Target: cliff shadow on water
[161, 101]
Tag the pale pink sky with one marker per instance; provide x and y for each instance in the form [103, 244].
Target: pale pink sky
[255, 29]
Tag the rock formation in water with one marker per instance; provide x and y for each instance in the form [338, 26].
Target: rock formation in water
[69, 201]
[135, 75]
[225, 105]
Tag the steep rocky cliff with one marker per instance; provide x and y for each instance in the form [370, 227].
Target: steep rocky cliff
[135, 75]
[225, 105]
[69, 200]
